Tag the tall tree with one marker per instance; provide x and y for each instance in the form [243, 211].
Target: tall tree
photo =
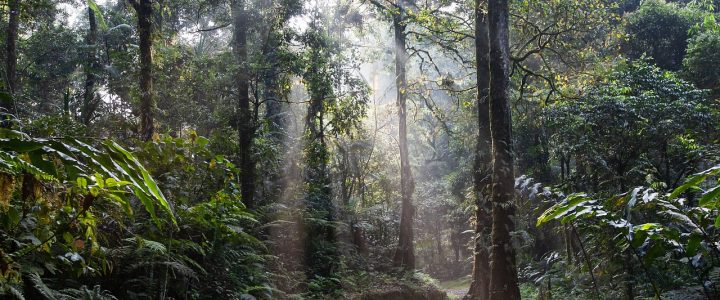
[91, 66]
[245, 119]
[144, 9]
[11, 54]
[405, 253]
[503, 270]
[479, 287]
[321, 248]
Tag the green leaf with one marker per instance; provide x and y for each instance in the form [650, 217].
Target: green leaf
[202, 141]
[98, 14]
[148, 203]
[560, 209]
[709, 199]
[122, 202]
[20, 146]
[13, 134]
[114, 168]
[149, 185]
[694, 180]
[693, 245]
[14, 165]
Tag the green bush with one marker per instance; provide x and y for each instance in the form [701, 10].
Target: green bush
[702, 61]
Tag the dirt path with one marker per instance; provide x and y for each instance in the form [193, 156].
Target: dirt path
[457, 288]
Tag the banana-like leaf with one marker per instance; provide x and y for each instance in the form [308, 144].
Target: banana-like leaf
[695, 180]
[98, 14]
[560, 209]
[80, 160]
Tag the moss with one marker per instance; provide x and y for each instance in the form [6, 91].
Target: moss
[7, 184]
[373, 285]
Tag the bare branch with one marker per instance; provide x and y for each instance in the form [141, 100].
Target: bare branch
[212, 28]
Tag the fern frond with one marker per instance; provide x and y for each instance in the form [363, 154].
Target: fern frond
[180, 268]
[84, 293]
[13, 165]
[46, 292]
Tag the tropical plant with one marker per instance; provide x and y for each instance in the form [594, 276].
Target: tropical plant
[55, 194]
[655, 230]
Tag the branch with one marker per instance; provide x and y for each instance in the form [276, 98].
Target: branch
[212, 28]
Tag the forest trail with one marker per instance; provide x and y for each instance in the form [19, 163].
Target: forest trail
[457, 288]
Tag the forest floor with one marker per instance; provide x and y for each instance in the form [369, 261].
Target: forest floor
[457, 288]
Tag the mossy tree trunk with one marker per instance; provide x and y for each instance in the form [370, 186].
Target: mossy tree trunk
[405, 253]
[246, 128]
[11, 35]
[479, 287]
[90, 102]
[503, 269]
[144, 9]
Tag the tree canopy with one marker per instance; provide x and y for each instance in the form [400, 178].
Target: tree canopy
[359, 149]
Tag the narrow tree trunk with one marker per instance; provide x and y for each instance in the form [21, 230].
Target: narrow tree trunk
[11, 57]
[438, 244]
[479, 287]
[89, 97]
[273, 109]
[245, 124]
[271, 94]
[405, 253]
[144, 9]
[272, 177]
[11, 45]
[321, 248]
[321, 252]
[503, 271]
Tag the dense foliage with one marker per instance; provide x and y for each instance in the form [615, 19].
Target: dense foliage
[359, 149]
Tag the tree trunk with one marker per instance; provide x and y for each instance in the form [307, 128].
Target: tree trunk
[503, 271]
[438, 244]
[245, 124]
[91, 66]
[321, 248]
[11, 57]
[405, 253]
[271, 91]
[144, 9]
[272, 177]
[479, 287]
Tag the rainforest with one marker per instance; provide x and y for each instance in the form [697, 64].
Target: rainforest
[360, 149]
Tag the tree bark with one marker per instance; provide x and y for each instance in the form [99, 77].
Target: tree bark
[245, 123]
[11, 57]
[271, 78]
[503, 270]
[405, 253]
[91, 66]
[321, 247]
[479, 287]
[144, 9]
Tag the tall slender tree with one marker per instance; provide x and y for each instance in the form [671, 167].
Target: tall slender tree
[503, 270]
[405, 254]
[91, 66]
[11, 36]
[479, 287]
[144, 10]
[246, 128]
[275, 18]
[321, 248]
